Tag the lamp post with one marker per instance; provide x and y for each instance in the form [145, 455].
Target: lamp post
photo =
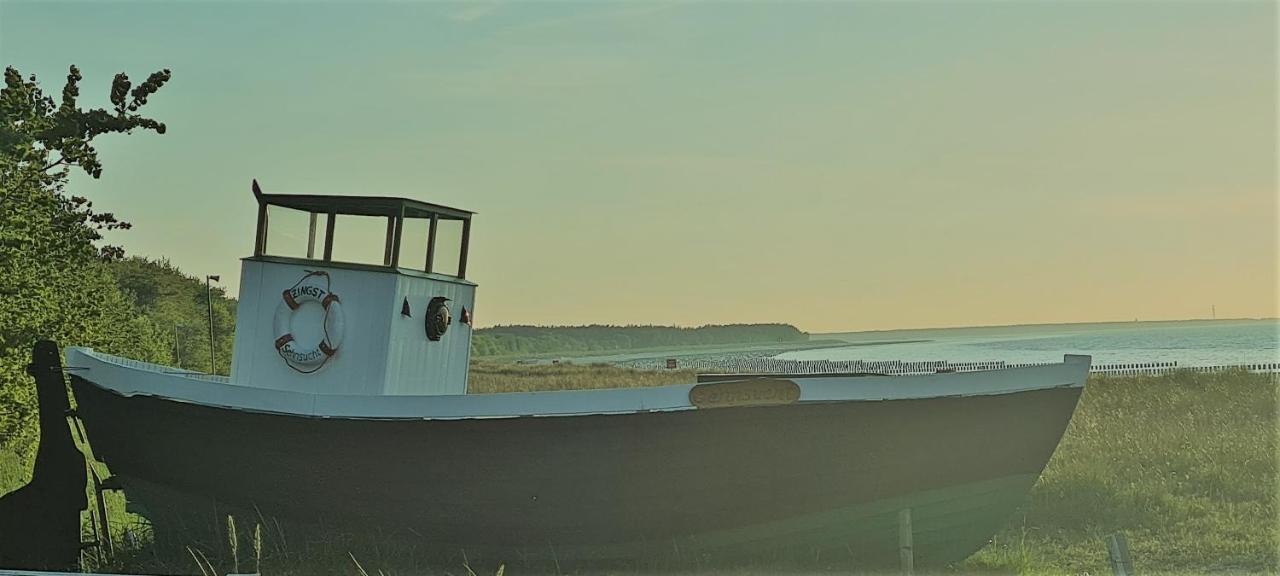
[208, 296]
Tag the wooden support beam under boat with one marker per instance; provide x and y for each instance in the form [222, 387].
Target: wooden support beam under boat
[40, 522]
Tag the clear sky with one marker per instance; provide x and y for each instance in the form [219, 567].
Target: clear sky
[837, 166]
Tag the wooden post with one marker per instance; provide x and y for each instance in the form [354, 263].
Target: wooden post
[328, 236]
[1118, 552]
[260, 243]
[466, 247]
[388, 245]
[431, 244]
[311, 237]
[395, 242]
[906, 553]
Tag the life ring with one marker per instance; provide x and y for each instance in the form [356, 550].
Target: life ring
[312, 358]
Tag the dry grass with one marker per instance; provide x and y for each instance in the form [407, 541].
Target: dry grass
[488, 377]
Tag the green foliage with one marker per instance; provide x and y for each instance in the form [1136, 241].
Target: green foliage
[176, 306]
[35, 128]
[13, 474]
[509, 340]
[54, 280]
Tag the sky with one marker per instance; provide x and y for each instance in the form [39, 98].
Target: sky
[833, 165]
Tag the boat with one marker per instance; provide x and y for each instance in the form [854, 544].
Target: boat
[348, 396]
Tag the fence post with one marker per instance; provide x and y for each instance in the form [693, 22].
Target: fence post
[906, 550]
[1118, 552]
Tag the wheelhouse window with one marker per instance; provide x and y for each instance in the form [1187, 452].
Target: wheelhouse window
[292, 233]
[448, 248]
[434, 243]
[360, 239]
[394, 233]
[414, 237]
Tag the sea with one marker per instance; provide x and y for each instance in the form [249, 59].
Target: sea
[1189, 343]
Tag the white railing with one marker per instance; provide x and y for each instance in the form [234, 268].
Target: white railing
[159, 368]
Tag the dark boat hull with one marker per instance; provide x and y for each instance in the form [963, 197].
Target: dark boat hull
[820, 476]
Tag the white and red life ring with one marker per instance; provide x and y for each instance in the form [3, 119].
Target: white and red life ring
[313, 357]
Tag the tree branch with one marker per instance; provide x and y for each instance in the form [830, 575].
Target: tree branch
[60, 160]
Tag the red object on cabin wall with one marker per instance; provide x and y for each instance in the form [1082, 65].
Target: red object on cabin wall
[671, 363]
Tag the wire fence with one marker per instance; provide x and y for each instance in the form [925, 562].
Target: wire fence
[767, 365]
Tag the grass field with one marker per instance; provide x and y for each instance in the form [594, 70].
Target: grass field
[1183, 464]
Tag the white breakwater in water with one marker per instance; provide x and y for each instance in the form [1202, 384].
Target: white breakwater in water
[1192, 343]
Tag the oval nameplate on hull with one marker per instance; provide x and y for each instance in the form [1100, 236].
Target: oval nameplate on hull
[756, 392]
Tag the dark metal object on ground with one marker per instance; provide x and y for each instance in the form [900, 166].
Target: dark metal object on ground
[906, 548]
[1118, 552]
[40, 522]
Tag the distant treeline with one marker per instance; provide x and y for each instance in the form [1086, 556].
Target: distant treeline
[506, 340]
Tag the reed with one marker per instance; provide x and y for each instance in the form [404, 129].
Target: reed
[233, 544]
[492, 377]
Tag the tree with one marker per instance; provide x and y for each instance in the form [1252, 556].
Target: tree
[176, 304]
[35, 128]
[53, 278]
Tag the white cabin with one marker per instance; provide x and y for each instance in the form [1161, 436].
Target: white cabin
[355, 295]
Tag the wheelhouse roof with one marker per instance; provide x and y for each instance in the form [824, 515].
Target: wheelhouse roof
[360, 205]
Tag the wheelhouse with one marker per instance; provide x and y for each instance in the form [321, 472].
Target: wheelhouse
[355, 295]
[408, 225]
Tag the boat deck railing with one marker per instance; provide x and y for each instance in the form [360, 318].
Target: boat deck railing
[158, 368]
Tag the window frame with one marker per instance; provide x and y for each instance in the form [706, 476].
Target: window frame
[393, 238]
